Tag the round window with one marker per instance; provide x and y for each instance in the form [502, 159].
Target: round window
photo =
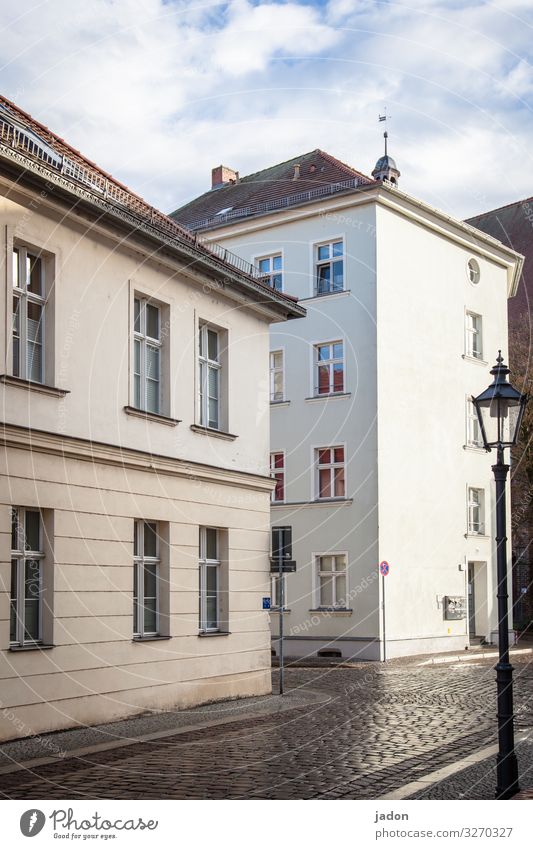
[473, 271]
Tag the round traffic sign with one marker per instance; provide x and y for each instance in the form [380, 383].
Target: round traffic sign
[384, 568]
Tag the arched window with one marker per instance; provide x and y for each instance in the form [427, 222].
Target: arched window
[473, 271]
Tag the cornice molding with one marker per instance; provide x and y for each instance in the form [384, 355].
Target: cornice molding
[431, 218]
[75, 448]
[268, 304]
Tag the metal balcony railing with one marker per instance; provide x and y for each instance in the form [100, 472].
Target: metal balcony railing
[26, 141]
[279, 203]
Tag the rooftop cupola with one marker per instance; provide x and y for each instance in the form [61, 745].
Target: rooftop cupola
[385, 168]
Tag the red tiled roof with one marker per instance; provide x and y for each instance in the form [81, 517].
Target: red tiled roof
[317, 170]
[59, 144]
[513, 225]
[61, 156]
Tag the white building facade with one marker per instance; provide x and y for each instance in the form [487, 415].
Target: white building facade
[374, 446]
[134, 514]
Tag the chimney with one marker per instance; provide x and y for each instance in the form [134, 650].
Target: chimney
[296, 172]
[223, 176]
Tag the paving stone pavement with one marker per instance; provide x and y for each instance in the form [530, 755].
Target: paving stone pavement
[479, 781]
[383, 726]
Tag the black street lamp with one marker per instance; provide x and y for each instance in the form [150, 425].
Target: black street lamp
[500, 409]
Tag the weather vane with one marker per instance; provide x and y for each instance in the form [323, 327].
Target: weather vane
[381, 118]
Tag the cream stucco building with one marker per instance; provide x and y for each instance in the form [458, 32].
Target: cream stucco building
[374, 445]
[134, 508]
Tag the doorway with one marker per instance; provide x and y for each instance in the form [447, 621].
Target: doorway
[471, 602]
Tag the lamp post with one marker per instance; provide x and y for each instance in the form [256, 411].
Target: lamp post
[500, 409]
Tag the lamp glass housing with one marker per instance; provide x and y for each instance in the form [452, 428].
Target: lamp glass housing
[500, 409]
[499, 420]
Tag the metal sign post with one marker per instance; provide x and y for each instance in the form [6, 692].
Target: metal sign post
[281, 613]
[384, 570]
[281, 562]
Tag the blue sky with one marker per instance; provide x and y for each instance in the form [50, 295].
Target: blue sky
[160, 92]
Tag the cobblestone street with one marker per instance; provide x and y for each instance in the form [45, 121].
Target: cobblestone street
[359, 731]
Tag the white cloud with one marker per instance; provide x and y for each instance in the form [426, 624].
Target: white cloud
[254, 34]
[160, 91]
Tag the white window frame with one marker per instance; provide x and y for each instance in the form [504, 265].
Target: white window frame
[341, 573]
[328, 363]
[275, 591]
[144, 341]
[332, 466]
[205, 563]
[271, 273]
[473, 270]
[24, 297]
[273, 472]
[140, 560]
[474, 438]
[274, 370]
[19, 556]
[206, 366]
[318, 263]
[476, 528]
[473, 335]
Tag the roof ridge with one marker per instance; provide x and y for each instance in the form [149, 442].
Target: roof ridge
[278, 164]
[499, 208]
[343, 165]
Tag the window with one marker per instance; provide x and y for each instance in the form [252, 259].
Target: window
[145, 579]
[331, 580]
[26, 576]
[28, 315]
[329, 368]
[275, 591]
[209, 579]
[272, 268]
[476, 511]
[473, 271]
[474, 346]
[473, 431]
[147, 356]
[329, 268]
[330, 474]
[277, 470]
[209, 377]
[277, 389]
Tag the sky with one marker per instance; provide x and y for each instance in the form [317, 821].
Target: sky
[158, 92]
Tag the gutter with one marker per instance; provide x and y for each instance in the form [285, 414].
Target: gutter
[386, 195]
[27, 168]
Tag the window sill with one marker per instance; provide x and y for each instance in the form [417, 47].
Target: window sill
[328, 396]
[478, 449]
[33, 647]
[471, 359]
[153, 417]
[471, 535]
[10, 380]
[343, 611]
[324, 502]
[315, 297]
[277, 610]
[211, 431]
[214, 633]
[279, 403]
[150, 638]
